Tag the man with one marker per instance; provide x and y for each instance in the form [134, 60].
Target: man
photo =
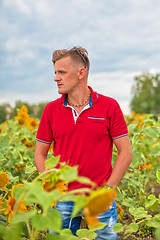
[84, 125]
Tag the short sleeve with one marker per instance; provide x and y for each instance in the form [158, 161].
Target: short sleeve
[118, 126]
[44, 133]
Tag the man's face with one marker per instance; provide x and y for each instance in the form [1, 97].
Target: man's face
[66, 75]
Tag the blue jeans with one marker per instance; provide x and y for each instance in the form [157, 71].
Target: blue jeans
[109, 217]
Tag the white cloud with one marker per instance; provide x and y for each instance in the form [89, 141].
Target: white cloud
[122, 38]
[116, 85]
[19, 5]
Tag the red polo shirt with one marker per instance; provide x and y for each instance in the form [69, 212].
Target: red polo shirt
[88, 141]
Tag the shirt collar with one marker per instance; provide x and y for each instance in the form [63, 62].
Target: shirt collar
[93, 98]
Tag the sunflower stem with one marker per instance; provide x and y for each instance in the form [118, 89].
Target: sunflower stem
[44, 173]
[31, 175]
[29, 230]
[21, 158]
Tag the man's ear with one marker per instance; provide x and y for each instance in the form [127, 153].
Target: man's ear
[82, 73]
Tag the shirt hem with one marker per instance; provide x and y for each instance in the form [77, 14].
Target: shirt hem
[120, 136]
[43, 141]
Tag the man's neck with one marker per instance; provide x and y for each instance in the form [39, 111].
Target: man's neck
[79, 99]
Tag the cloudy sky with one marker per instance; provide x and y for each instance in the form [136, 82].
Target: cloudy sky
[121, 36]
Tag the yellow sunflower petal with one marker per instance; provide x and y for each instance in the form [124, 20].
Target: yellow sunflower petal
[101, 201]
[148, 165]
[3, 179]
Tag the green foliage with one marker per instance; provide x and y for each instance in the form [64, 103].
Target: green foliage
[11, 232]
[146, 94]
[16, 155]
[50, 220]
[40, 216]
[138, 192]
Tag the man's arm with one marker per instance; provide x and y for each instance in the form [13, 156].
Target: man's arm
[123, 161]
[40, 156]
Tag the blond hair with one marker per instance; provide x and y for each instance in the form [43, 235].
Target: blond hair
[77, 54]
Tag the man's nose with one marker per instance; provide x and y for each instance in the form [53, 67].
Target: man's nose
[56, 78]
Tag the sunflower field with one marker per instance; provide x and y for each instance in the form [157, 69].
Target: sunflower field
[27, 198]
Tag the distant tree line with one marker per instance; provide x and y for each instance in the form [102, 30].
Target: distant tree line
[146, 94]
[145, 99]
[7, 112]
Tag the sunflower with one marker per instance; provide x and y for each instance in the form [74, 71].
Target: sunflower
[98, 202]
[22, 120]
[48, 187]
[22, 116]
[28, 144]
[3, 179]
[11, 204]
[1, 204]
[148, 165]
[20, 167]
[142, 136]
[24, 108]
[32, 123]
[140, 167]
[5, 123]
[133, 112]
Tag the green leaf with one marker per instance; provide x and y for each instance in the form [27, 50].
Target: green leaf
[51, 162]
[85, 233]
[18, 191]
[50, 221]
[120, 196]
[157, 234]
[36, 194]
[132, 227]
[30, 168]
[2, 230]
[52, 236]
[158, 176]
[129, 202]
[151, 131]
[149, 121]
[132, 127]
[69, 174]
[154, 222]
[78, 205]
[139, 213]
[118, 227]
[12, 232]
[151, 202]
[66, 231]
[136, 158]
[23, 217]
[155, 153]
[67, 234]
[69, 198]
[2, 158]
[95, 228]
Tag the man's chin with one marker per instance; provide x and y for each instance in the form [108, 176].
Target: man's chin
[61, 91]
